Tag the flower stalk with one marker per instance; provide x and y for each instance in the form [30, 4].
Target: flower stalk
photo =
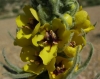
[52, 35]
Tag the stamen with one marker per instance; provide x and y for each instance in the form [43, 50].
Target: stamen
[60, 68]
[31, 61]
[53, 34]
[73, 44]
[26, 27]
[50, 38]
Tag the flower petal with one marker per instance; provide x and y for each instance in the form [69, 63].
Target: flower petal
[28, 53]
[34, 68]
[58, 26]
[51, 66]
[48, 53]
[64, 38]
[71, 51]
[80, 17]
[22, 39]
[21, 20]
[89, 29]
[36, 39]
[26, 9]
[67, 63]
[34, 13]
[79, 39]
[36, 29]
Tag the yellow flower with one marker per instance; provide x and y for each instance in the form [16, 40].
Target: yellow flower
[77, 41]
[35, 64]
[62, 66]
[30, 54]
[28, 25]
[82, 21]
[50, 38]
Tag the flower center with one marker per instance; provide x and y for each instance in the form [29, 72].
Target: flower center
[72, 44]
[37, 60]
[60, 68]
[50, 38]
[31, 24]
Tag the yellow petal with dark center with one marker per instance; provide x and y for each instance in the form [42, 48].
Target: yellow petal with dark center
[34, 68]
[48, 53]
[67, 64]
[21, 21]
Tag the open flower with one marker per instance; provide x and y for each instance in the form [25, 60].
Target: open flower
[62, 66]
[35, 65]
[28, 25]
[82, 21]
[50, 38]
[77, 41]
[30, 54]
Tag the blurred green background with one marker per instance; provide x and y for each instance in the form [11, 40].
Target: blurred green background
[10, 8]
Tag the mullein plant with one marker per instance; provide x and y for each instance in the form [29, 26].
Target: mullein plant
[52, 34]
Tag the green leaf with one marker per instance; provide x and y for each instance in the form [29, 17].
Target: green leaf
[12, 67]
[19, 76]
[7, 68]
[11, 35]
[95, 24]
[97, 76]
